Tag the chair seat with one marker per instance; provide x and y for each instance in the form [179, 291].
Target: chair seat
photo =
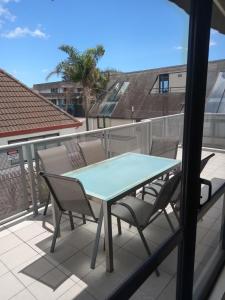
[156, 186]
[217, 185]
[142, 210]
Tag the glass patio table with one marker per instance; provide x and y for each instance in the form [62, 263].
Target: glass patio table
[114, 178]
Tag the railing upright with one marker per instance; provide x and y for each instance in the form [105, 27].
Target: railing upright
[32, 178]
[23, 173]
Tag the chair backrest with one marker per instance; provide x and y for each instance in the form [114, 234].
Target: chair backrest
[177, 193]
[55, 160]
[164, 147]
[168, 191]
[205, 160]
[68, 194]
[92, 151]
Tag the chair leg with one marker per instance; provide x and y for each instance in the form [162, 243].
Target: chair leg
[46, 205]
[143, 193]
[84, 219]
[168, 220]
[175, 212]
[119, 226]
[71, 220]
[146, 246]
[56, 231]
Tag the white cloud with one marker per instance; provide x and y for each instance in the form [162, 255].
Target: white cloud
[212, 43]
[180, 48]
[21, 32]
[7, 1]
[45, 70]
[214, 32]
[6, 14]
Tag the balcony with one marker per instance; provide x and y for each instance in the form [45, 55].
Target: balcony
[27, 268]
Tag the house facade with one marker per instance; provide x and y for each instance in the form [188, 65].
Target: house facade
[66, 95]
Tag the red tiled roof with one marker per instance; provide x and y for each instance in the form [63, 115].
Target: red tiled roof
[23, 111]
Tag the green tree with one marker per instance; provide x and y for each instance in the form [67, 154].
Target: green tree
[82, 67]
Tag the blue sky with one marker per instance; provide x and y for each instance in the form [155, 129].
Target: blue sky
[136, 34]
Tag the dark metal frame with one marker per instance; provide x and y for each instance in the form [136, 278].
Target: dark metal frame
[197, 66]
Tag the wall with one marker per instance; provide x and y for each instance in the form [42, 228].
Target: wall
[4, 141]
[177, 83]
[108, 122]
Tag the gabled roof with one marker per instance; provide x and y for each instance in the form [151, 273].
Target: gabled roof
[22, 111]
[138, 94]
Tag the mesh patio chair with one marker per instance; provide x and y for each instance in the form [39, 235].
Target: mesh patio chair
[69, 196]
[92, 151]
[140, 214]
[175, 201]
[54, 160]
[163, 147]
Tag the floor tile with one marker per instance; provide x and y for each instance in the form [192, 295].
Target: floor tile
[101, 252]
[78, 264]
[24, 295]
[8, 242]
[17, 256]
[169, 292]
[136, 247]
[29, 232]
[101, 284]
[125, 262]
[10, 286]
[80, 238]
[63, 250]
[32, 270]
[153, 286]
[51, 286]
[76, 293]
[3, 269]
[41, 242]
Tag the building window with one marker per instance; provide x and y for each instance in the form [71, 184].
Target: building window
[163, 83]
[54, 90]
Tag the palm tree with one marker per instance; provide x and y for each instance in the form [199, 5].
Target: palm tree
[82, 67]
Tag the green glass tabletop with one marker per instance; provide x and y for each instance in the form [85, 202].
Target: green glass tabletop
[112, 177]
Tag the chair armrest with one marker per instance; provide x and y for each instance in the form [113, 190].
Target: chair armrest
[209, 184]
[129, 209]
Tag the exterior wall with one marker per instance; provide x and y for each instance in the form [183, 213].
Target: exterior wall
[108, 122]
[177, 83]
[5, 140]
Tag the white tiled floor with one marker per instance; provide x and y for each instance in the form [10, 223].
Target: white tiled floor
[29, 271]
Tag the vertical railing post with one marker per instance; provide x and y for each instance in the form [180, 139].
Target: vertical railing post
[105, 134]
[149, 143]
[23, 174]
[32, 178]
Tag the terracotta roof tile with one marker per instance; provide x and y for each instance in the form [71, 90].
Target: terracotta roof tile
[23, 110]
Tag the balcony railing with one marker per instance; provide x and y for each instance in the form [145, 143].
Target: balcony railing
[22, 190]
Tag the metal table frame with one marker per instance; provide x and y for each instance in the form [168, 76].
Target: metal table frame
[105, 213]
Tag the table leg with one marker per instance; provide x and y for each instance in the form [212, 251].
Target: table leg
[108, 236]
[97, 238]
